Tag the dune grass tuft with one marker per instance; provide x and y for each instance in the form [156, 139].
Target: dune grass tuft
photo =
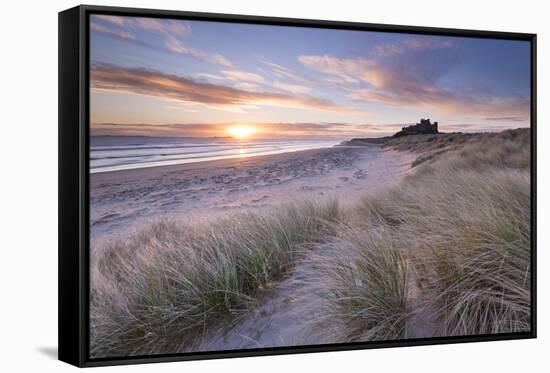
[361, 277]
[163, 288]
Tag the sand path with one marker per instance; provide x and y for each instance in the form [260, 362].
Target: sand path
[283, 318]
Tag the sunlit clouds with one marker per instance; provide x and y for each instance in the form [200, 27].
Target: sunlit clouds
[407, 85]
[152, 83]
[168, 77]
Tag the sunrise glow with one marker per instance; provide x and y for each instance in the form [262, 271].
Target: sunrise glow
[241, 131]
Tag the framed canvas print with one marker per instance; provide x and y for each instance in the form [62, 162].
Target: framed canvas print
[237, 186]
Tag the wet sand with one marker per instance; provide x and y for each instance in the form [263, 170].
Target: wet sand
[121, 201]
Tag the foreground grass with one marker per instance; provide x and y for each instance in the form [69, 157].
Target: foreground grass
[163, 288]
[468, 235]
[361, 277]
[460, 223]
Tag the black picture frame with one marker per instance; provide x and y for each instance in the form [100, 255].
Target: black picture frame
[74, 174]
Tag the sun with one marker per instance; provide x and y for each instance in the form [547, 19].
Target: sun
[241, 131]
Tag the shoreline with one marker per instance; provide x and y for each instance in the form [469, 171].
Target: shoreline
[124, 199]
[239, 150]
[210, 163]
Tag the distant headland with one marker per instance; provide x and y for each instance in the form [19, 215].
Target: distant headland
[424, 127]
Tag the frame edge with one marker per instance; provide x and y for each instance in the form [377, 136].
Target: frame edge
[70, 349]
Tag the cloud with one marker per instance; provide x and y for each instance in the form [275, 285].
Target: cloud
[285, 72]
[152, 24]
[263, 130]
[156, 84]
[252, 81]
[116, 20]
[248, 86]
[508, 119]
[171, 30]
[349, 70]
[243, 76]
[444, 101]
[164, 26]
[409, 78]
[472, 128]
[292, 88]
[289, 80]
[175, 45]
[145, 129]
[273, 130]
[404, 72]
[415, 44]
[105, 30]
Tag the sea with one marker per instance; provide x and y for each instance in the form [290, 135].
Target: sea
[114, 153]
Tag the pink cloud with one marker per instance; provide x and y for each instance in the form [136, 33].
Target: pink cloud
[292, 88]
[404, 84]
[445, 101]
[171, 30]
[174, 87]
[105, 30]
[349, 70]
[243, 76]
[175, 45]
[120, 21]
[151, 24]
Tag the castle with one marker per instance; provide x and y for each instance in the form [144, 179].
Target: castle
[424, 127]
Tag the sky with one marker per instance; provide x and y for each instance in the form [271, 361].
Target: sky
[167, 77]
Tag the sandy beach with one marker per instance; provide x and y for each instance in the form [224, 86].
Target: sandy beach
[122, 201]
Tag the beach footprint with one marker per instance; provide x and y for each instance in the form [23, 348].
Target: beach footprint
[259, 199]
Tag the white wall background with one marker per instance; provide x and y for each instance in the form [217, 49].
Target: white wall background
[28, 186]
